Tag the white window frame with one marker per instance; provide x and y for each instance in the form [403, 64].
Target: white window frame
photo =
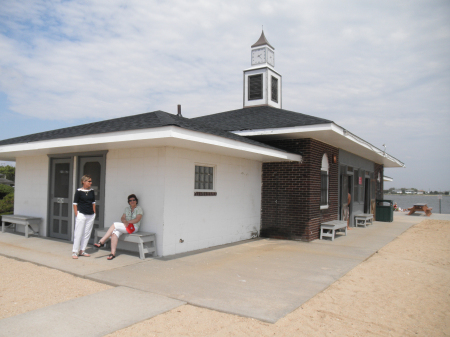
[325, 168]
[214, 167]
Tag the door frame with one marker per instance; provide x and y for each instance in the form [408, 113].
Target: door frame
[74, 157]
[49, 196]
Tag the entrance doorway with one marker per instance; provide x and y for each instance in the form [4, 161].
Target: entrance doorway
[62, 188]
[367, 195]
[95, 167]
[61, 198]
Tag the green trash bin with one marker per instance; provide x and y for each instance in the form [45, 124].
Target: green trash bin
[384, 210]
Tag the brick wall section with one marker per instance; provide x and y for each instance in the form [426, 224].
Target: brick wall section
[379, 186]
[290, 207]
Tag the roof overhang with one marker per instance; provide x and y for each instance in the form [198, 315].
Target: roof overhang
[328, 133]
[172, 136]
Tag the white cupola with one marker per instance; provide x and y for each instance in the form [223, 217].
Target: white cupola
[262, 84]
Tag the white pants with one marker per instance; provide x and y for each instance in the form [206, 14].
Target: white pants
[83, 229]
[119, 228]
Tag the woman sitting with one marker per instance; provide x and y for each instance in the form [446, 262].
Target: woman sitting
[131, 219]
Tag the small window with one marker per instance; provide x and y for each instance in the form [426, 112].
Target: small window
[255, 87]
[324, 182]
[274, 89]
[204, 177]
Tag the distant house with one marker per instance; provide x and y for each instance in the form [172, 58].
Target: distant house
[5, 181]
[205, 181]
[420, 192]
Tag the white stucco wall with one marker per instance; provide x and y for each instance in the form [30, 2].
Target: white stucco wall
[140, 171]
[163, 180]
[31, 185]
[207, 221]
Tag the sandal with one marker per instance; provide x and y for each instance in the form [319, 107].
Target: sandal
[111, 257]
[85, 254]
[99, 244]
[74, 255]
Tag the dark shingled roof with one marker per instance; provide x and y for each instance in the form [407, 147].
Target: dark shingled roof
[143, 121]
[262, 117]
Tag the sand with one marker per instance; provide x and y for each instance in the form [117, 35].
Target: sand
[402, 290]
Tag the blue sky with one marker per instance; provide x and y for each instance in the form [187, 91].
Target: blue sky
[378, 68]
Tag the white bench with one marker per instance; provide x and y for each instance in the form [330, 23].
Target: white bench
[363, 220]
[27, 221]
[145, 241]
[329, 228]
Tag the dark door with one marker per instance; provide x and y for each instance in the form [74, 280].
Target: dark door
[61, 198]
[367, 195]
[95, 167]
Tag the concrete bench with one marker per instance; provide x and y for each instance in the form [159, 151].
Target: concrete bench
[24, 220]
[363, 220]
[329, 228]
[146, 241]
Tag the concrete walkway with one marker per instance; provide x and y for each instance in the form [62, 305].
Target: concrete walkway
[262, 278]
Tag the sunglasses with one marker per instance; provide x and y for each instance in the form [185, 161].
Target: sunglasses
[130, 200]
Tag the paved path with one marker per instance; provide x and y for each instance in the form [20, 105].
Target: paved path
[262, 278]
[93, 315]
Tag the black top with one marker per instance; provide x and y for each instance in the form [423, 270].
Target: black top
[84, 200]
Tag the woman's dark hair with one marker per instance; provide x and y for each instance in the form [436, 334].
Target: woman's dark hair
[133, 196]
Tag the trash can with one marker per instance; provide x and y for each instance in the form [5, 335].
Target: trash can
[384, 210]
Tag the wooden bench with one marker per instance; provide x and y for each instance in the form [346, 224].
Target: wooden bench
[24, 220]
[363, 219]
[420, 208]
[329, 228]
[146, 241]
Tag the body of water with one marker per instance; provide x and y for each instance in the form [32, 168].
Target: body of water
[407, 201]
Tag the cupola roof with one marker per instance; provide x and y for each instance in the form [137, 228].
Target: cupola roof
[262, 41]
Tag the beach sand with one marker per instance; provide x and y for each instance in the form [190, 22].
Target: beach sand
[402, 290]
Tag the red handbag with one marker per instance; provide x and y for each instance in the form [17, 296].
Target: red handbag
[130, 228]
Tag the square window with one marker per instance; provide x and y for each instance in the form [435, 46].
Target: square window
[204, 177]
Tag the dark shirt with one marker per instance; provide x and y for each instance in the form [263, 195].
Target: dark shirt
[84, 201]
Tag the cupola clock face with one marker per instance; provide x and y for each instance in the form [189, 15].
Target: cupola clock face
[258, 56]
[271, 58]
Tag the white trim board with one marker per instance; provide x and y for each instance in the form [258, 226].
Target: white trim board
[329, 133]
[156, 137]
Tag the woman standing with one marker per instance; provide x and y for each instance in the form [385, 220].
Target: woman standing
[131, 220]
[84, 209]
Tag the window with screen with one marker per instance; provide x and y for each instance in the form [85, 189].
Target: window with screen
[274, 89]
[255, 87]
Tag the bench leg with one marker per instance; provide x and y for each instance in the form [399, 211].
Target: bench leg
[321, 232]
[141, 251]
[345, 230]
[26, 231]
[333, 234]
[3, 226]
